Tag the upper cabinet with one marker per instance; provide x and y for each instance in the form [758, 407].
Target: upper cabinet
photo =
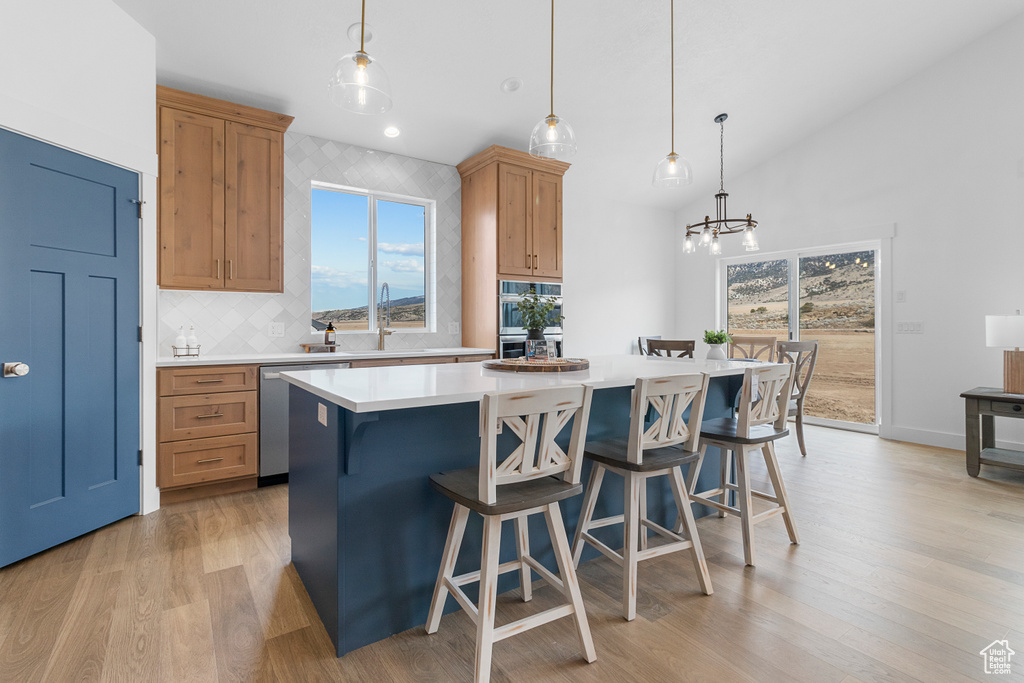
[515, 199]
[221, 217]
[511, 230]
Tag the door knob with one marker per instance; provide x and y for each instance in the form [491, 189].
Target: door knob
[15, 369]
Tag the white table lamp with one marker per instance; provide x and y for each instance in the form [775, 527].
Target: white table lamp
[1007, 331]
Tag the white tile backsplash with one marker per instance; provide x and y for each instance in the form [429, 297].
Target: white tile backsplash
[238, 322]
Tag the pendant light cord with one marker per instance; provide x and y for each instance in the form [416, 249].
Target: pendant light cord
[672, 59]
[362, 27]
[721, 157]
[552, 79]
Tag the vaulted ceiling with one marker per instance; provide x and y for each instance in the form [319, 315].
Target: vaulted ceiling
[781, 69]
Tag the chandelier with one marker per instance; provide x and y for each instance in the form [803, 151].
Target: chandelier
[707, 232]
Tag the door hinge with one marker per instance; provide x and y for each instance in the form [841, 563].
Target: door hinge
[140, 457]
[140, 334]
[138, 205]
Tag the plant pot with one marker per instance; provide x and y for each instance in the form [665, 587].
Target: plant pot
[535, 335]
[716, 352]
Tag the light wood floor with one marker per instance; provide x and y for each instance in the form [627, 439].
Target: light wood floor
[907, 569]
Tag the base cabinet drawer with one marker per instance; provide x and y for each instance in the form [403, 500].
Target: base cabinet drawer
[413, 360]
[199, 461]
[202, 415]
[206, 379]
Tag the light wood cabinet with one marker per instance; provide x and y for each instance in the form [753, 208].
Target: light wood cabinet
[208, 430]
[511, 230]
[220, 214]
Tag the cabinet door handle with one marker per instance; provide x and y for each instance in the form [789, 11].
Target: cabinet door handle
[208, 381]
[203, 417]
[231, 269]
[535, 262]
[218, 269]
[199, 462]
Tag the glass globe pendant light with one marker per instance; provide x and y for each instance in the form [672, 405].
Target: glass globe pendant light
[673, 170]
[358, 82]
[553, 137]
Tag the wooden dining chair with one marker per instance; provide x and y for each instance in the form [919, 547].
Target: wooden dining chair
[665, 347]
[641, 343]
[655, 450]
[752, 346]
[760, 421]
[803, 355]
[529, 480]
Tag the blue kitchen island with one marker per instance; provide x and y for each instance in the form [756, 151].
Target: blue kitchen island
[367, 530]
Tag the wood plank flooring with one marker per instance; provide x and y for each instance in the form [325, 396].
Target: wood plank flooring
[906, 570]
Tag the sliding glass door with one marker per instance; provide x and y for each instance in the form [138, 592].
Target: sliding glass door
[824, 296]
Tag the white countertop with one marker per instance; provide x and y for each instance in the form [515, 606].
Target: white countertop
[303, 358]
[364, 390]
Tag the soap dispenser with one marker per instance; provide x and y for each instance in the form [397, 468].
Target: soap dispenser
[329, 334]
[191, 340]
[179, 341]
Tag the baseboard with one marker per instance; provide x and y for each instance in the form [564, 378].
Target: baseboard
[938, 439]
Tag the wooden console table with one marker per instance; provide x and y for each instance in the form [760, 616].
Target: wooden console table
[983, 405]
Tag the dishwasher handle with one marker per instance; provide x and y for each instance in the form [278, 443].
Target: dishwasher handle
[276, 372]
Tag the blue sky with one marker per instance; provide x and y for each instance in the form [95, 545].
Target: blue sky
[340, 263]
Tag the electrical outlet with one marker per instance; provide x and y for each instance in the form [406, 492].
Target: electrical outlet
[276, 330]
[910, 327]
[321, 414]
[453, 328]
[901, 296]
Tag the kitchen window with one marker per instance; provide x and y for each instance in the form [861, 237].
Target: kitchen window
[360, 240]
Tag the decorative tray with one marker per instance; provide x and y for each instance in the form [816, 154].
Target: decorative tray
[523, 365]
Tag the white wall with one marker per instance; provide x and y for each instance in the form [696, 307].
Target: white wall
[81, 74]
[941, 156]
[618, 271]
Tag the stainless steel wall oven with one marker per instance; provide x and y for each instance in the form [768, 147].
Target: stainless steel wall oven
[511, 335]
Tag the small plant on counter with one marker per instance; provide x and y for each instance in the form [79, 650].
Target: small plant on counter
[536, 311]
[720, 337]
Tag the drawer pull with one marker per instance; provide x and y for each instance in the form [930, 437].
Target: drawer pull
[209, 381]
[203, 417]
[199, 462]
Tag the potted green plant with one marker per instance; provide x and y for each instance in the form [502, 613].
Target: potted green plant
[717, 341]
[536, 313]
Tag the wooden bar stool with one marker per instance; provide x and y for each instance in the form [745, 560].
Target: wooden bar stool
[760, 420]
[520, 485]
[652, 451]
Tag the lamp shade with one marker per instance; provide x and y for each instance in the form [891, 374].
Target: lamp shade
[1004, 331]
[360, 85]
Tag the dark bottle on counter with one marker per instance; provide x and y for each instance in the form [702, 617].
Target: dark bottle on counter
[329, 334]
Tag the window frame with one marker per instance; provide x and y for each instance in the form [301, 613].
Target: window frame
[373, 282]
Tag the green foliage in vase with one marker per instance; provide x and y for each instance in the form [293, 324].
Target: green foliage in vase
[536, 311]
[720, 337]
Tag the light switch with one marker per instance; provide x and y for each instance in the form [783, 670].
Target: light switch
[901, 296]
[321, 414]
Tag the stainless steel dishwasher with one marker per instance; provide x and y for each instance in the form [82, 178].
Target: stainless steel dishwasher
[274, 419]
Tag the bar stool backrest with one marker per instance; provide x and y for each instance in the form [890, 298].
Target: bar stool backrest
[746, 346]
[668, 398]
[770, 403]
[665, 347]
[803, 354]
[536, 417]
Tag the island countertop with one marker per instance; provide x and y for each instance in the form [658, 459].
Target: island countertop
[363, 390]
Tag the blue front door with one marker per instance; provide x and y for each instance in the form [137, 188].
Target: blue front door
[69, 311]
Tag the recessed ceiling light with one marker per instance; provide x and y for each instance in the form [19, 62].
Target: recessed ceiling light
[353, 33]
[392, 131]
[510, 85]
